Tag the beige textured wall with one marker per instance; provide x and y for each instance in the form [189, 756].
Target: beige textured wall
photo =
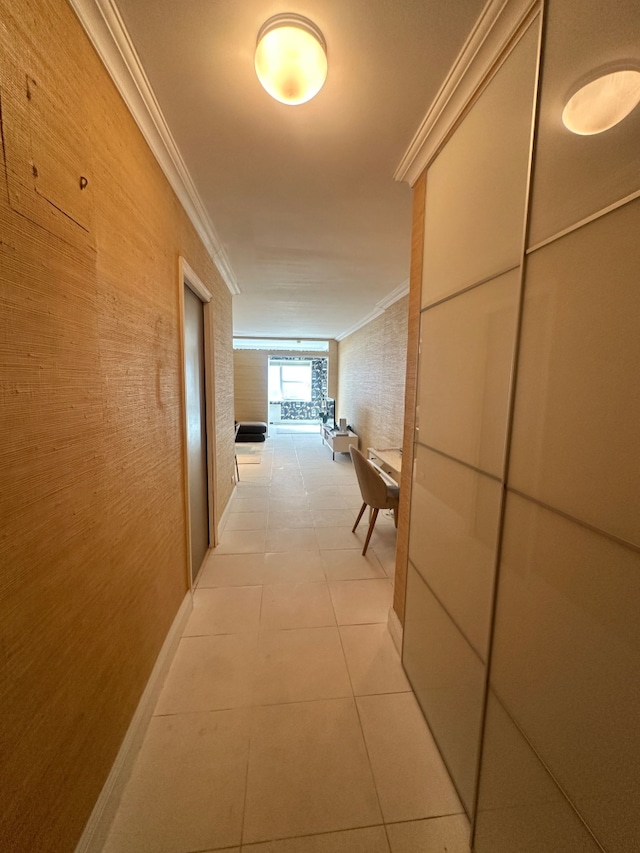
[250, 382]
[371, 378]
[93, 544]
[334, 369]
[223, 393]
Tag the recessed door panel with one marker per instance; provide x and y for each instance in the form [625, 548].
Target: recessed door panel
[196, 428]
[476, 187]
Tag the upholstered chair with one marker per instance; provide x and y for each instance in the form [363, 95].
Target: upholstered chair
[375, 493]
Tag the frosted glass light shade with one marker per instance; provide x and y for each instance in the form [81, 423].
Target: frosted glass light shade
[291, 59]
[602, 103]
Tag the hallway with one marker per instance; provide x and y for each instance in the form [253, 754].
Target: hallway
[286, 724]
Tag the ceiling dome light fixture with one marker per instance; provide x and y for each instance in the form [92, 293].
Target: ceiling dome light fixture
[602, 103]
[291, 58]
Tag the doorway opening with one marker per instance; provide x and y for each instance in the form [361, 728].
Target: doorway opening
[197, 339]
[297, 390]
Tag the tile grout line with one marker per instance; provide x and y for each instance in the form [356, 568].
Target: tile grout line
[373, 775]
[253, 710]
[252, 718]
[321, 834]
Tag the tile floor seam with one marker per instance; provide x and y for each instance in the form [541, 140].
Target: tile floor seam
[300, 702]
[246, 778]
[373, 775]
[309, 835]
[386, 835]
[346, 661]
[431, 817]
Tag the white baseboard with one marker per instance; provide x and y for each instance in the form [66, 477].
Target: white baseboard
[95, 832]
[394, 626]
[225, 515]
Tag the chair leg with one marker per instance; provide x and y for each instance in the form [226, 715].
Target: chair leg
[237, 470]
[353, 529]
[372, 524]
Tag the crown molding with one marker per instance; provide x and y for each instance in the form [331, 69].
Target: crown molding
[380, 308]
[495, 29]
[103, 24]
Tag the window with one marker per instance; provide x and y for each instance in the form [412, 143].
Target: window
[290, 381]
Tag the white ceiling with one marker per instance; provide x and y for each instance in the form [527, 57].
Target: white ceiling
[303, 198]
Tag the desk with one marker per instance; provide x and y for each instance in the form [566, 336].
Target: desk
[338, 442]
[388, 461]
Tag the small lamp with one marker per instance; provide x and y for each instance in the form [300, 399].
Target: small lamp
[291, 58]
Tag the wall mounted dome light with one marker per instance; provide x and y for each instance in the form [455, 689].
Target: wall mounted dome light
[602, 103]
[291, 58]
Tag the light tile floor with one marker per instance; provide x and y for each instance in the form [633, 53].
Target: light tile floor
[286, 723]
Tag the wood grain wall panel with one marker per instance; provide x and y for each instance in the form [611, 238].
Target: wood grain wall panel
[93, 540]
[371, 378]
[333, 371]
[411, 384]
[251, 385]
[224, 398]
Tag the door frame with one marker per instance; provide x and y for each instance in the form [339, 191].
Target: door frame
[188, 278]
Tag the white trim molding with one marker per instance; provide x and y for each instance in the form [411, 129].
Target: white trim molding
[394, 626]
[188, 276]
[224, 518]
[103, 24]
[95, 832]
[380, 308]
[491, 36]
